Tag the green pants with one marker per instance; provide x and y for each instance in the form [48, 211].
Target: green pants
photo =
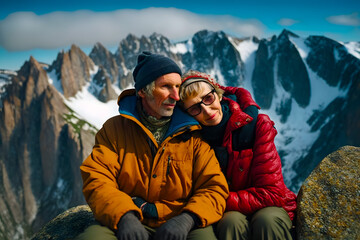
[267, 223]
[97, 231]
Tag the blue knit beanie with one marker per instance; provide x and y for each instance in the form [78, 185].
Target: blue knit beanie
[151, 66]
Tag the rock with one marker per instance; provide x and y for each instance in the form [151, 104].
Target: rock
[263, 76]
[74, 69]
[104, 58]
[329, 199]
[102, 87]
[67, 225]
[214, 49]
[294, 80]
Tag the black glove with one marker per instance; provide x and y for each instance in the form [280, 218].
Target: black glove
[177, 228]
[148, 209]
[130, 228]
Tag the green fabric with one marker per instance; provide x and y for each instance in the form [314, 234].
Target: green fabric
[96, 232]
[267, 223]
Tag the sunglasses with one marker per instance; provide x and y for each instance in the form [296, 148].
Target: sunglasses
[207, 100]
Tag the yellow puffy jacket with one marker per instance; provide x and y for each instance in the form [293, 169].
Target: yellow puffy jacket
[180, 174]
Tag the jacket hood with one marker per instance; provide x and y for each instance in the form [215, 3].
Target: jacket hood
[179, 119]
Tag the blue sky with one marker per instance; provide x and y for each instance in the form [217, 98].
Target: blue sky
[43, 28]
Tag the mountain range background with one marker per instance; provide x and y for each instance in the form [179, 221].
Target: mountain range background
[50, 112]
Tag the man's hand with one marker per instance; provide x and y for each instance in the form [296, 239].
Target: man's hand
[148, 209]
[130, 228]
[177, 228]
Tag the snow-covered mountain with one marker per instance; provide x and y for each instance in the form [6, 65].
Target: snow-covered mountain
[50, 113]
[295, 80]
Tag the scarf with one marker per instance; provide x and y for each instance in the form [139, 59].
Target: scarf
[157, 127]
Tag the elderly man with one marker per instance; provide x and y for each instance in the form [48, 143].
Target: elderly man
[150, 176]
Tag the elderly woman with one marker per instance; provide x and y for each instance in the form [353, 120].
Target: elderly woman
[259, 206]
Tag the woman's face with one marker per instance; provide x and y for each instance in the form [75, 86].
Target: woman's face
[210, 113]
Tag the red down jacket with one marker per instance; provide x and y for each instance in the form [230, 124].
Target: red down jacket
[254, 175]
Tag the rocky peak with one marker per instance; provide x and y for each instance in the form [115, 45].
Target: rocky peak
[215, 47]
[331, 61]
[73, 68]
[160, 44]
[81, 64]
[263, 76]
[294, 80]
[103, 57]
[286, 33]
[101, 86]
[127, 52]
[34, 77]
[29, 83]
[129, 49]
[290, 71]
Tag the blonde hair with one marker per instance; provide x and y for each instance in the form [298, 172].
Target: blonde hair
[190, 86]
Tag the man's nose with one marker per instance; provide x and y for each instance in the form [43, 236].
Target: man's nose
[174, 94]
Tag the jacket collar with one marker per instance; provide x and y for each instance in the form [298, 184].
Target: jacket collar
[238, 118]
[179, 119]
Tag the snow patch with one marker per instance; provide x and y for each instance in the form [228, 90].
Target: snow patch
[89, 108]
[353, 48]
[300, 45]
[53, 79]
[247, 50]
[181, 48]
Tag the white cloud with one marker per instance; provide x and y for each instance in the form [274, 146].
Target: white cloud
[287, 22]
[348, 20]
[26, 30]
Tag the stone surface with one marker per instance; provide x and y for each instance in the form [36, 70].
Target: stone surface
[329, 199]
[67, 225]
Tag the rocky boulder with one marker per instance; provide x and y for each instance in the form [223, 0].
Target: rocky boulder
[67, 225]
[329, 199]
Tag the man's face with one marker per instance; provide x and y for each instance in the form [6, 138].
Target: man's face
[164, 97]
